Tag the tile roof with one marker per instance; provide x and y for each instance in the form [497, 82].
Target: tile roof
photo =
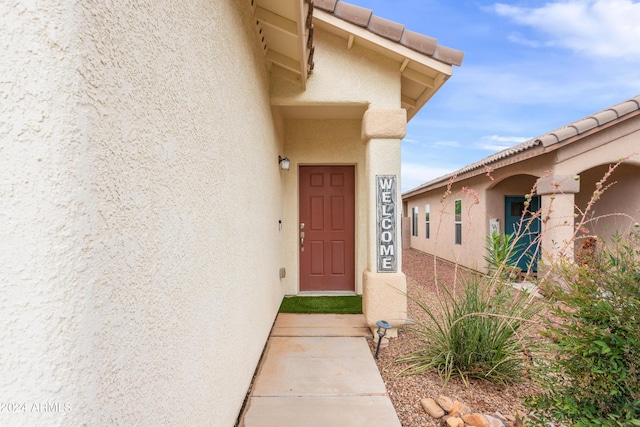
[578, 127]
[391, 30]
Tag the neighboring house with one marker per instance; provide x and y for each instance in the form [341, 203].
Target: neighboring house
[563, 166]
[149, 230]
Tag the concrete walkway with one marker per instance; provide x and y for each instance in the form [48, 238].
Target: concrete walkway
[318, 371]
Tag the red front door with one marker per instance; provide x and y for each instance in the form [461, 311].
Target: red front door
[327, 228]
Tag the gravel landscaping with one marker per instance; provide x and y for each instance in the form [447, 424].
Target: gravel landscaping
[407, 391]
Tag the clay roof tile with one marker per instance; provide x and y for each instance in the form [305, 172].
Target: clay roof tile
[565, 132]
[419, 42]
[448, 55]
[391, 30]
[352, 13]
[326, 5]
[386, 28]
[625, 107]
[605, 116]
[548, 139]
[585, 124]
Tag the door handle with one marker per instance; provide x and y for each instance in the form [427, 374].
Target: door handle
[302, 239]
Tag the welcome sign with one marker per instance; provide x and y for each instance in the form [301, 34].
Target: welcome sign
[386, 220]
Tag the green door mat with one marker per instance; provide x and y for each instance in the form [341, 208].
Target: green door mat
[351, 304]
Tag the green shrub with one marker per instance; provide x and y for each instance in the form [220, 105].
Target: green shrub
[482, 333]
[502, 254]
[593, 376]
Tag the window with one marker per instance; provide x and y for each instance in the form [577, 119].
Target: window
[427, 228]
[414, 221]
[458, 221]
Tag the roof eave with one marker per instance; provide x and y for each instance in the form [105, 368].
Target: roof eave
[424, 70]
[285, 31]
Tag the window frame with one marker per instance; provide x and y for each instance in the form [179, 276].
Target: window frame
[414, 221]
[427, 221]
[457, 221]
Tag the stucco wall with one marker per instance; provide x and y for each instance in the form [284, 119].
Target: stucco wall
[342, 75]
[619, 207]
[442, 228]
[140, 200]
[616, 210]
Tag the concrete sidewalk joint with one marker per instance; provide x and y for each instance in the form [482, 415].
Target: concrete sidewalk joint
[318, 370]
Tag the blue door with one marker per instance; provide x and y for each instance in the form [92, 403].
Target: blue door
[517, 220]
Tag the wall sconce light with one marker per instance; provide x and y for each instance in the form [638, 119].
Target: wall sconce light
[383, 325]
[284, 163]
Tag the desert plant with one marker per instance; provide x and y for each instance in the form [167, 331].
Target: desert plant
[502, 250]
[481, 333]
[593, 375]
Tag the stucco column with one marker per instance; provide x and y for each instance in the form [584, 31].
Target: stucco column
[558, 207]
[384, 285]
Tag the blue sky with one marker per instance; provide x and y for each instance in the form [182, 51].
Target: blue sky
[529, 68]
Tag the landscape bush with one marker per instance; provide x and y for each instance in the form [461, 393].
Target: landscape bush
[592, 377]
[483, 332]
[502, 254]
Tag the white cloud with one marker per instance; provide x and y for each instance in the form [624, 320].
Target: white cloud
[520, 39]
[497, 143]
[414, 174]
[601, 28]
[509, 139]
[493, 147]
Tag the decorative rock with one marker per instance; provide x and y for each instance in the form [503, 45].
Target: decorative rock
[494, 421]
[459, 409]
[476, 420]
[455, 422]
[432, 408]
[499, 416]
[445, 403]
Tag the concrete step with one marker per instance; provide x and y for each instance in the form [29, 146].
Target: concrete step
[314, 325]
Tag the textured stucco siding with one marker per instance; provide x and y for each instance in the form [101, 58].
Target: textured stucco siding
[140, 201]
[342, 75]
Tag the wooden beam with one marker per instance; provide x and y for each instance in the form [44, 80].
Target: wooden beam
[284, 61]
[408, 102]
[418, 77]
[276, 21]
[404, 64]
[276, 70]
[350, 41]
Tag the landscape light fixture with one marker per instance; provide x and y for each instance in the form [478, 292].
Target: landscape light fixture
[284, 163]
[383, 326]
